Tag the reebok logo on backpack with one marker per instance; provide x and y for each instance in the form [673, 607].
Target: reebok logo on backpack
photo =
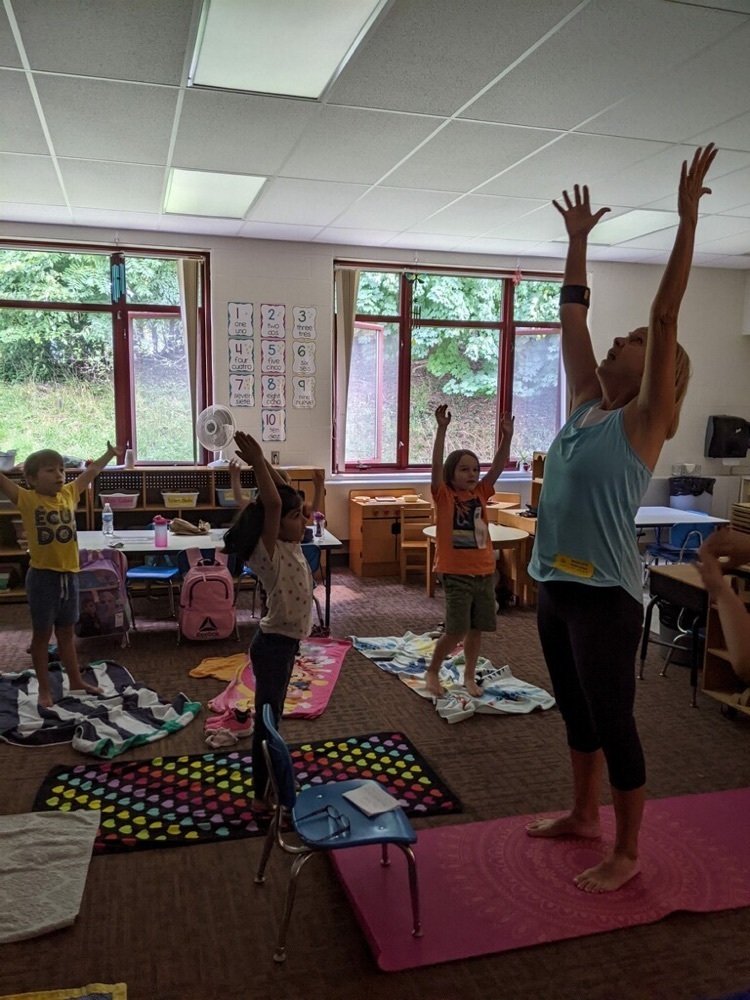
[207, 608]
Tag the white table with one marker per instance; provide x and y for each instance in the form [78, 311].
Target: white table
[502, 538]
[667, 517]
[142, 542]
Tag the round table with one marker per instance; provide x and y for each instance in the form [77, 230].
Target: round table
[502, 538]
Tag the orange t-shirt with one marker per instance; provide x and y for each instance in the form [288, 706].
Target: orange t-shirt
[463, 543]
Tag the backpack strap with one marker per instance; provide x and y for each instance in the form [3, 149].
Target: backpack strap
[193, 557]
[221, 558]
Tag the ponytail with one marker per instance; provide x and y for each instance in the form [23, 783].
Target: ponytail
[245, 532]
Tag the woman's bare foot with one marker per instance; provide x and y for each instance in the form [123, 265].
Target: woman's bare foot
[473, 688]
[564, 826]
[433, 685]
[45, 699]
[609, 875]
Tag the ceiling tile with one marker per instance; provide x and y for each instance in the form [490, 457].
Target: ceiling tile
[50, 215]
[98, 217]
[240, 133]
[497, 245]
[367, 144]
[308, 203]
[118, 186]
[544, 224]
[727, 193]
[355, 237]
[274, 231]
[393, 208]
[30, 179]
[9, 55]
[20, 128]
[597, 58]
[101, 120]
[432, 56]
[136, 40]
[423, 241]
[732, 134]
[474, 215]
[466, 154]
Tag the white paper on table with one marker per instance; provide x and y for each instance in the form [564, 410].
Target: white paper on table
[371, 799]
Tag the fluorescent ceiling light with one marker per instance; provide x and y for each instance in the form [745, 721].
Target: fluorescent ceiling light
[631, 224]
[201, 192]
[289, 47]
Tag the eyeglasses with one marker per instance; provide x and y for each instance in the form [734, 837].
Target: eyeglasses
[340, 823]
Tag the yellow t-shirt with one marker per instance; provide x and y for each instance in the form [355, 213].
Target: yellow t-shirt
[50, 524]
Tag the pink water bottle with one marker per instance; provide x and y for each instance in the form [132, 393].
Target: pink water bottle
[161, 530]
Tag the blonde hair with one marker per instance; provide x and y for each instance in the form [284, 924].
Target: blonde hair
[682, 373]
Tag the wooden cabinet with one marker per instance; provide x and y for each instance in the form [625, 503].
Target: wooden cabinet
[537, 475]
[374, 530]
[720, 682]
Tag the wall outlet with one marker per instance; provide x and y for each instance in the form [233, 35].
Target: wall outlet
[274, 458]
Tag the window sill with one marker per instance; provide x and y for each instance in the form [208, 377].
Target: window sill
[407, 478]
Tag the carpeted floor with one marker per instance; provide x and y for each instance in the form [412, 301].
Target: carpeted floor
[191, 924]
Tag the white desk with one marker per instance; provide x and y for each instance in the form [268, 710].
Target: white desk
[667, 517]
[142, 542]
[502, 538]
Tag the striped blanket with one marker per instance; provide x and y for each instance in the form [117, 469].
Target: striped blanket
[126, 715]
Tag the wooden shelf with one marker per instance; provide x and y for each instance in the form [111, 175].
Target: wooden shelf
[720, 682]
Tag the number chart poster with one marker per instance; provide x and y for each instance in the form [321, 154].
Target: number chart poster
[303, 357]
[273, 372]
[241, 347]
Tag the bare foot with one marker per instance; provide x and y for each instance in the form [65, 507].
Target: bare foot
[610, 874]
[565, 826]
[473, 688]
[45, 699]
[433, 685]
[81, 685]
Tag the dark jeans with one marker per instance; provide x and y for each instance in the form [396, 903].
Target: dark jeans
[272, 657]
[590, 637]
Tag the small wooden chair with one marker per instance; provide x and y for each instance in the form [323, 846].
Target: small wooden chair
[414, 547]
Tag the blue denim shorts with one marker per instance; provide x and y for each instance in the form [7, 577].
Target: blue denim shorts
[52, 597]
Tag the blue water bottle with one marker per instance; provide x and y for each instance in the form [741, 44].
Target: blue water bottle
[108, 521]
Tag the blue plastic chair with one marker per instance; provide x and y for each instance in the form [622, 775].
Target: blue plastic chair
[326, 821]
[682, 543]
[163, 573]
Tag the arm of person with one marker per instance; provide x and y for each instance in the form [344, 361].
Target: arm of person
[319, 489]
[735, 621]
[503, 452]
[89, 474]
[236, 483]
[443, 418]
[578, 354]
[9, 488]
[251, 452]
[733, 546]
[647, 419]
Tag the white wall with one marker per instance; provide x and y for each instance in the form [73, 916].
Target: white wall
[301, 274]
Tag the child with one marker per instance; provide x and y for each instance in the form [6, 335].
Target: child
[266, 534]
[280, 477]
[48, 513]
[463, 550]
[735, 621]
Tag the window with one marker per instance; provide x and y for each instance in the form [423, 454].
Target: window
[92, 347]
[480, 343]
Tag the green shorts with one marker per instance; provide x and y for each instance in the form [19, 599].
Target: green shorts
[469, 603]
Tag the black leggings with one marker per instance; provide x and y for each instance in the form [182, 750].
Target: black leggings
[272, 657]
[590, 637]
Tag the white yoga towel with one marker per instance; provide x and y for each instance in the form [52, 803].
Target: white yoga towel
[43, 867]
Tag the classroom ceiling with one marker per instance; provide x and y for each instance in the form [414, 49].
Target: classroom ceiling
[450, 128]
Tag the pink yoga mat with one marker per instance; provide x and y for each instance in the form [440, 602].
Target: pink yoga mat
[488, 887]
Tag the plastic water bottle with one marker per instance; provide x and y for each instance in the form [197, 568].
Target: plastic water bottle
[108, 520]
[319, 522]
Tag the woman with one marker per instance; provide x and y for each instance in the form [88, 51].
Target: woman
[585, 553]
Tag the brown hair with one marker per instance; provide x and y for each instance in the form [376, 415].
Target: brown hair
[451, 464]
[39, 459]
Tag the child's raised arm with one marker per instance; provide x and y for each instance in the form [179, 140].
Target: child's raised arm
[93, 470]
[9, 488]
[234, 479]
[503, 452]
[443, 418]
[251, 452]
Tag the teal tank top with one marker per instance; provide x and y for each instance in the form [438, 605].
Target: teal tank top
[593, 485]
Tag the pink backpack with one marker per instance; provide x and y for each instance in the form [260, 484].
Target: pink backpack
[103, 599]
[207, 599]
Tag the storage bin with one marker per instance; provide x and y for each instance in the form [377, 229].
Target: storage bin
[119, 501]
[225, 498]
[175, 500]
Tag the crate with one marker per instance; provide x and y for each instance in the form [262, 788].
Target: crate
[176, 501]
[225, 498]
[120, 501]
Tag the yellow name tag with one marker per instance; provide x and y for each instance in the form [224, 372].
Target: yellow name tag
[576, 567]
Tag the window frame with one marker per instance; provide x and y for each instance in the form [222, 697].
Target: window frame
[505, 323]
[121, 312]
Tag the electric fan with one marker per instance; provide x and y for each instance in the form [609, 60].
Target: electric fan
[214, 428]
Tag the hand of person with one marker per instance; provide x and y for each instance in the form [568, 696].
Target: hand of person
[725, 542]
[234, 470]
[507, 422]
[709, 568]
[579, 219]
[318, 477]
[691, 188]
[117, 450]
[442, 415]
[248, 449]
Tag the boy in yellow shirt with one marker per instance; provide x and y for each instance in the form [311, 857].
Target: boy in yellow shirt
[48, 513]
